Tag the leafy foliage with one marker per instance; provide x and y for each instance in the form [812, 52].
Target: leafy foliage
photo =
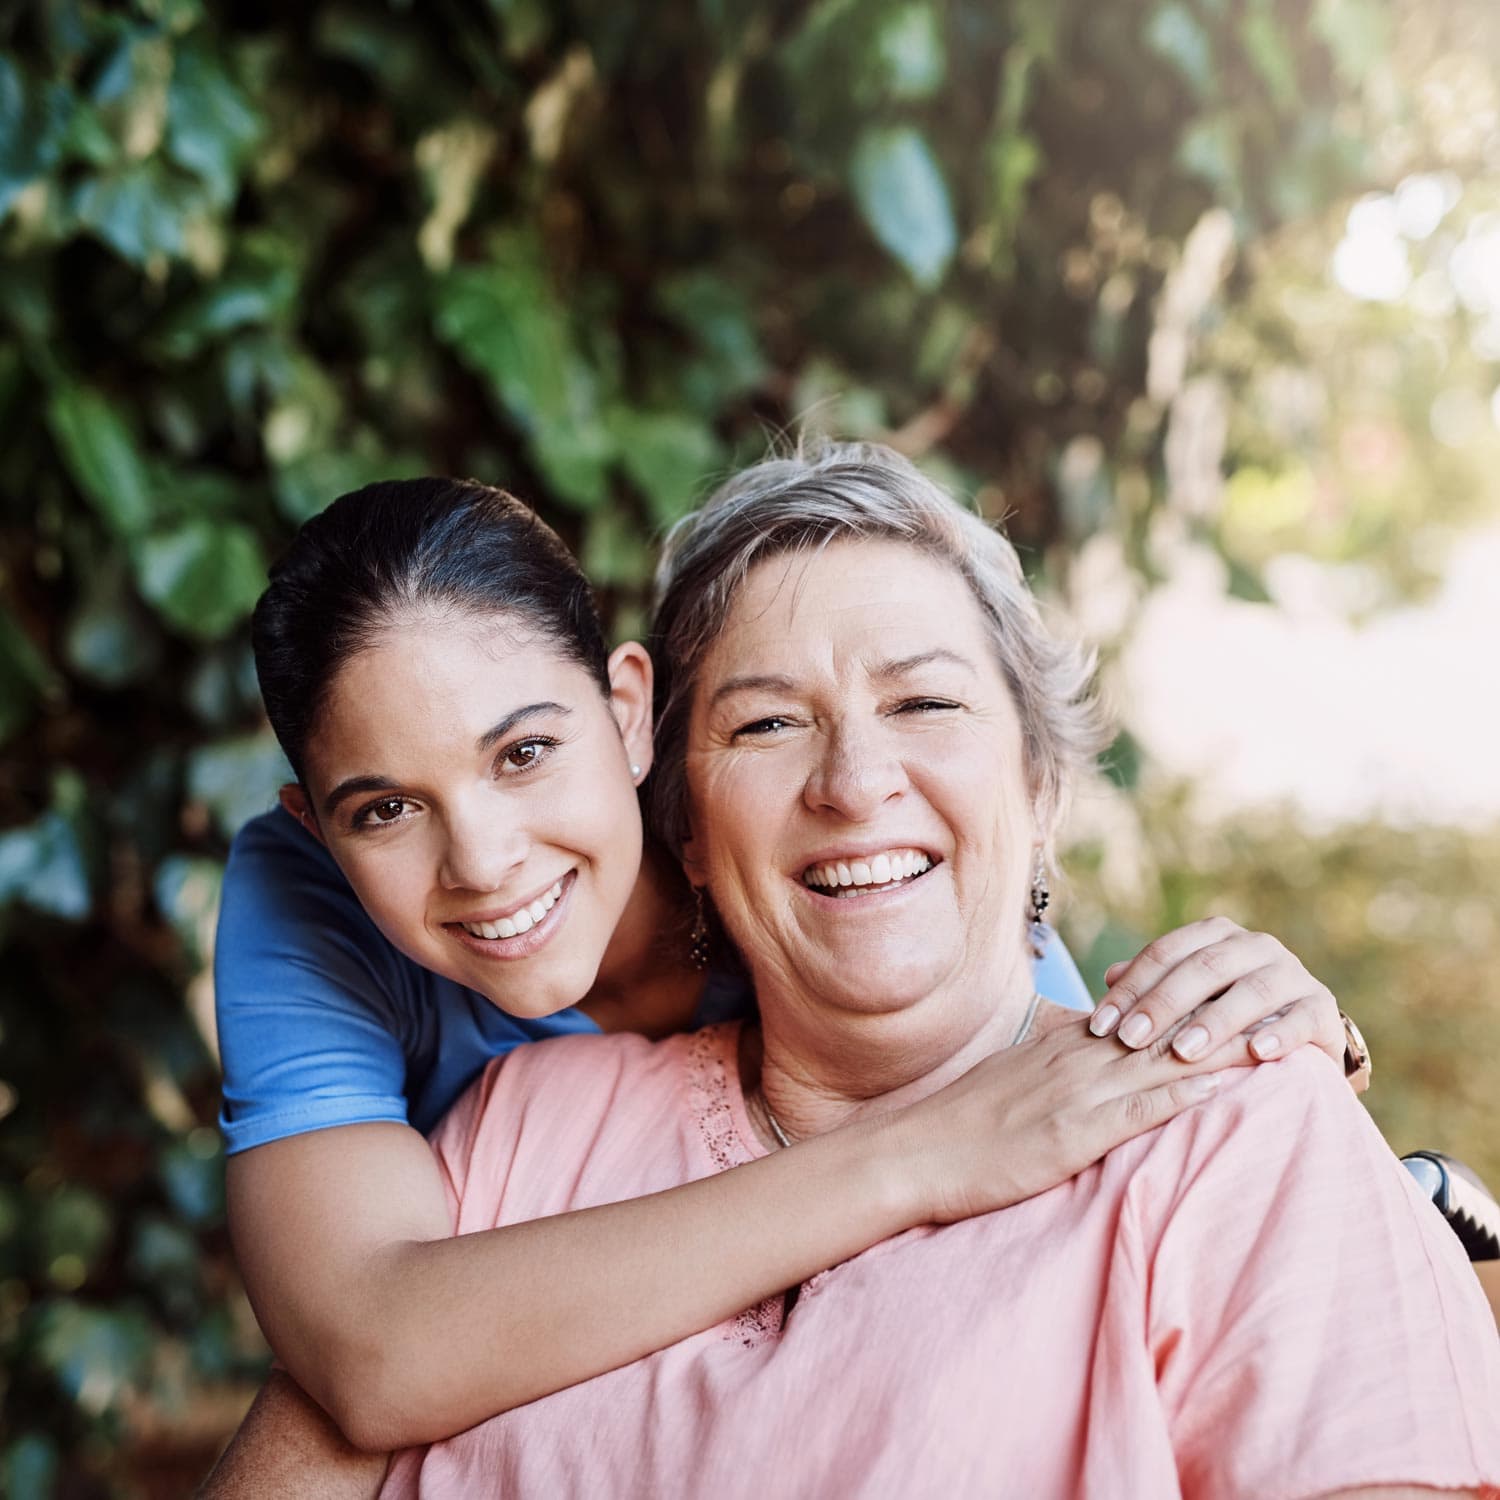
[257, 256]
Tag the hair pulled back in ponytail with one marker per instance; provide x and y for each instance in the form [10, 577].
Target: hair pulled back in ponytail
[404, 547]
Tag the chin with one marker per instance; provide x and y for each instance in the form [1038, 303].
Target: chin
[883, 989]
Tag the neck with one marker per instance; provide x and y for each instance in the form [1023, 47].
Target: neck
[645, 982]
[818, 1075]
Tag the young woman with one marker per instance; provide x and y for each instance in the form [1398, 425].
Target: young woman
[463, 869]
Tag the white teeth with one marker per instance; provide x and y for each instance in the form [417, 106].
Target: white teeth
[522, 920]
[879, 870]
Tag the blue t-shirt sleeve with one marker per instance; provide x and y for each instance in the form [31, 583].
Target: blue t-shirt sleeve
[309, 995]
[1056, 977]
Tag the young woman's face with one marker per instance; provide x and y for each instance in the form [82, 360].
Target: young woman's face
[475, 787]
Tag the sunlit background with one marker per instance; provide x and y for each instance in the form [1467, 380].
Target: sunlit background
[1202, 299]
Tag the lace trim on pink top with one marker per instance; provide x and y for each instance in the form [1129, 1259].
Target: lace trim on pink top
[717, 1107]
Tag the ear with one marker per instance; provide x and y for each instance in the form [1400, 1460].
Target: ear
[293, 799]
[630, 684]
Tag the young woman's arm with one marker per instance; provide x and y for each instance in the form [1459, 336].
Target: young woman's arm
[406, 1335]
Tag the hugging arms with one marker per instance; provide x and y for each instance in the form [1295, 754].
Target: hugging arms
[438, 840]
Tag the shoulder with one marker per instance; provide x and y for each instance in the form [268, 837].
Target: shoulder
[288, 917]
[273, 863]
[587, 1069]
[1300, 1104]
[567, 1123]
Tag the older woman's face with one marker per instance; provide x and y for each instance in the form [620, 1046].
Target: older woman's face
[859, 801]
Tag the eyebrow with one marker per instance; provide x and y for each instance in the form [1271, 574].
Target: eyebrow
[352, 786]
[899, 666]
[768, 683]
[883, 671]
[502, 727]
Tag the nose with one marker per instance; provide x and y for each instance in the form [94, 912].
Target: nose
[483, 847]
[856, 774]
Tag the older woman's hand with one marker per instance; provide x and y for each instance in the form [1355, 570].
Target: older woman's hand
[1209, 983]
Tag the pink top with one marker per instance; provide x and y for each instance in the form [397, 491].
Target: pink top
[1253, 1300]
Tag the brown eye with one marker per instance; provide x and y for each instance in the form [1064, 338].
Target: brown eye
[389, 810]
[526, 755]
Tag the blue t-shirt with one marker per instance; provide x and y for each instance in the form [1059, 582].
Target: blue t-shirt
[322, 1022]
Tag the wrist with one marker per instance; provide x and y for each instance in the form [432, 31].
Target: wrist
[894, 1172]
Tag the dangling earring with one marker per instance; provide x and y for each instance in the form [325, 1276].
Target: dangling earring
[698, 937]
[1041, 897]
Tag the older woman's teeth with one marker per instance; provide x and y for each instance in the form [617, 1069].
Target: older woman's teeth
[523, 919]
[861, 876]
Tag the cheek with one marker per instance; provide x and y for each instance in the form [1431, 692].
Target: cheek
[392, 888]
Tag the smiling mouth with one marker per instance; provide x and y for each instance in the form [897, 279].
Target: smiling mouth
[868, 875]
[522, 919]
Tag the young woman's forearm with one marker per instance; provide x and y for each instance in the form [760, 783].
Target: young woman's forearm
[406, 1335]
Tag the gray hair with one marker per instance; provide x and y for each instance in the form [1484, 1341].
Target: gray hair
[827, 492]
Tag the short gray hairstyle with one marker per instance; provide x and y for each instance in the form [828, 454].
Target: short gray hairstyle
[826, 492]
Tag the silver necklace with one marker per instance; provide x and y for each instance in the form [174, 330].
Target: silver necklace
[783, 1139]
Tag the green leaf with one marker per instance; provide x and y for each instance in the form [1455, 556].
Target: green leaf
[33, 126]
[203, 577]
[717, 313]
[43, 865]
[92, 1352]
[527, 24]
[186, 888]
[615, 554]
[1121, 762]
[25, 676]
[99, 449]
[107, 640]
[72, 1223]
[1210, 148]
[28, 1469]
[901, 192]
[1358, 34]
[1177, 34]
[211, 127]
[141, 213]
[504, 320]
[236, 779]
[1245, 583]
[313, 480]
[667, 456]
[911, 51]
[194, 1179]
[1270, 49]
[260, 286]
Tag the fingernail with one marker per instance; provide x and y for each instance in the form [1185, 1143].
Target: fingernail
[1191, 1043]
[1265, 1045]
[1135, 1030]
[1204, 1085]
[1102, 1022]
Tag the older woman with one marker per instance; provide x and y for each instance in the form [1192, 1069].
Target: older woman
[866, 737]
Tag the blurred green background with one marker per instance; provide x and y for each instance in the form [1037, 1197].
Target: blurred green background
[1184, 289]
